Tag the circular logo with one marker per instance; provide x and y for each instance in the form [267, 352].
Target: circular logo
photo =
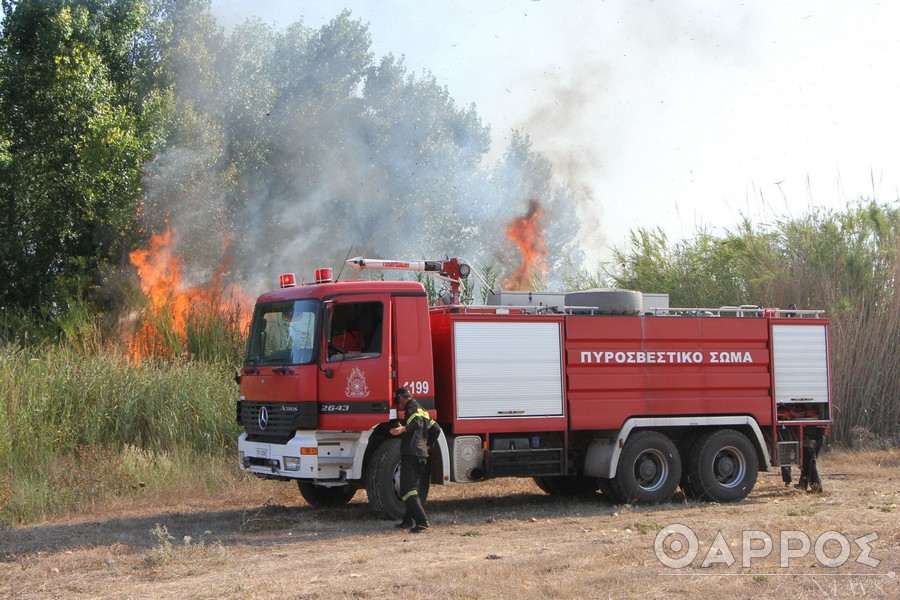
[670, 544]
[263, 420]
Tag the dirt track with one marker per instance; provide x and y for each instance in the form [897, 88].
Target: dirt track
[500, 539]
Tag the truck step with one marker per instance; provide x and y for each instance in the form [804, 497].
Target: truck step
[526, 462]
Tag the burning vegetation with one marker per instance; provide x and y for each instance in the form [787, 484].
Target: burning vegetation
[179, 320]
[527, 234]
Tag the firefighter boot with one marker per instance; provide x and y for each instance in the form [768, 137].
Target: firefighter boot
[803, 482]
[786, 475]
[815, 482]
[407, 521]
[417, 512]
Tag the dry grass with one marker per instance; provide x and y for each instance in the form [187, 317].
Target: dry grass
[501, 539]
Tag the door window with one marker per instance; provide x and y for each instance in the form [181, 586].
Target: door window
[355, 331]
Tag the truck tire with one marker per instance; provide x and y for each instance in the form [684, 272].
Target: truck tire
[567, 485]
[722, 466]
[649, 469]
[326, 497]
[383, 481]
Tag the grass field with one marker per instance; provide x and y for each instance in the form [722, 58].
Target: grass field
[78, 428]
[498, 539]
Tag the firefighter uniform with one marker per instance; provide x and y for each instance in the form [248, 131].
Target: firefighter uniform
[419, 428]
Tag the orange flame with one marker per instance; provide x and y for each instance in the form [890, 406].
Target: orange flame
[171, 307]
[526, 232]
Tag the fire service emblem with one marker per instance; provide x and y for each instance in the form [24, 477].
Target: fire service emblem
[356, 384]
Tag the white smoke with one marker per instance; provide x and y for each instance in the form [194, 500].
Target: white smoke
[288, 172]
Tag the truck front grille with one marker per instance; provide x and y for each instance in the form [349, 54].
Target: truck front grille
[274, 425]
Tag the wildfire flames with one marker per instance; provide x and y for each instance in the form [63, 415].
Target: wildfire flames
[175, 313]
[172, 309]
[526, 233]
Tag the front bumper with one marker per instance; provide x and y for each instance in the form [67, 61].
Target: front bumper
[313, 455]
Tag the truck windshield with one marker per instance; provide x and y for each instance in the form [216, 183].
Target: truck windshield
[283, 333]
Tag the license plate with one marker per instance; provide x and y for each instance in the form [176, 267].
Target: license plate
[262, 452]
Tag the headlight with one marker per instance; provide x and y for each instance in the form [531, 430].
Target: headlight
[291, 463]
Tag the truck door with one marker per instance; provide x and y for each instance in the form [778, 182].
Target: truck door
[355, 378]
[412, 348]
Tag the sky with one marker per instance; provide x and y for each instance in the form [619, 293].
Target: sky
[679, 115]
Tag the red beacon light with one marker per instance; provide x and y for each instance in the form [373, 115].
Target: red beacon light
[287, 280]
[323, 275]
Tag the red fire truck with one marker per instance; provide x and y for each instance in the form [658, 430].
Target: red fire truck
[593, 391]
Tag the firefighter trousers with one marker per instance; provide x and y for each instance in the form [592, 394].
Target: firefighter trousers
[412, 469]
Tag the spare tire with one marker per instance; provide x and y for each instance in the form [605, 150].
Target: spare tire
[604, 301]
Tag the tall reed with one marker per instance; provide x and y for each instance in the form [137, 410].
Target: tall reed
[64, 411]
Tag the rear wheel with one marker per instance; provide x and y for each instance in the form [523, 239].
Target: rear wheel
[649, 469]
[722, 466]
[326, 497]
[383, 481]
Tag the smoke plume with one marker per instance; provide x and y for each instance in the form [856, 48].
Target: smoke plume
[297, 147]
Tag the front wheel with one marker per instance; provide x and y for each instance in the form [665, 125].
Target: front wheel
[326, 497]
[722, 466]
[649, 469]
[383, 481]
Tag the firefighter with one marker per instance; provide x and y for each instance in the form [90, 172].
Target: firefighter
[809, 472]
[418, 431]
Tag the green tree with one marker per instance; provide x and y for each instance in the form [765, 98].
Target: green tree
[296, 146]
[697, 272]
[75, 132]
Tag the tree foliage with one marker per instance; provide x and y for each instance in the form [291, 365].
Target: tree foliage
[121, 118]
[79, 116]
[298, 144]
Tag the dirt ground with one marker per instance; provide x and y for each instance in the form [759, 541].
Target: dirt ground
[502, 539]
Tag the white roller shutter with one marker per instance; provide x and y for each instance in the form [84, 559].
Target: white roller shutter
[800, 358]
[508, 369]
